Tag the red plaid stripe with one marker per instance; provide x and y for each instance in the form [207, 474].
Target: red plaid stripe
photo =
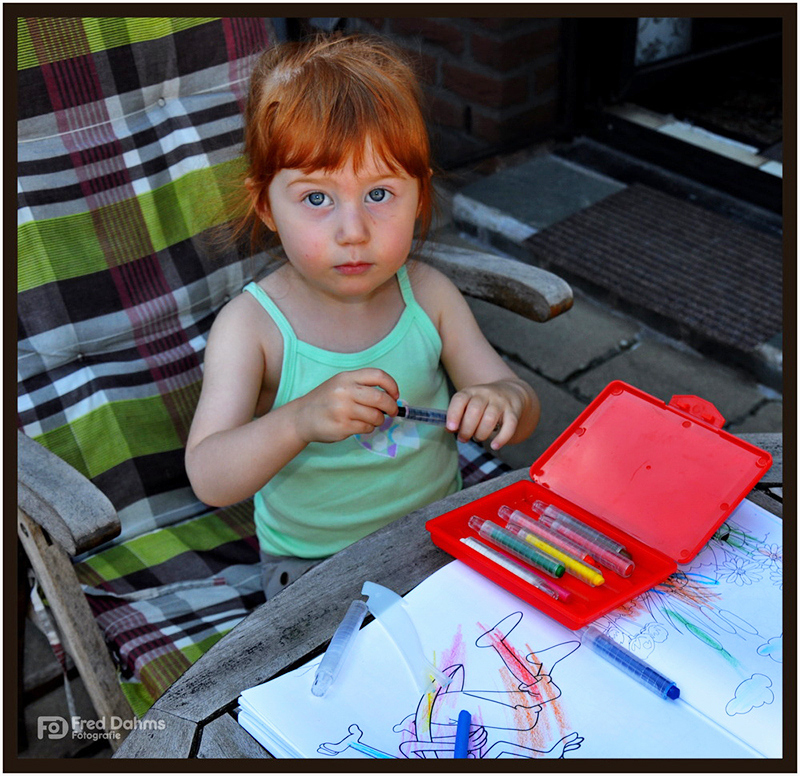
[243, 38]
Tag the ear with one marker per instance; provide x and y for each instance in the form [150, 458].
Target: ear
[262, 210]
[265, 216]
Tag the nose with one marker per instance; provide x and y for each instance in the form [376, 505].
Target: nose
[353, 225]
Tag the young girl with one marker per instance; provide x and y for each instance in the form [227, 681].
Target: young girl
[304, 370]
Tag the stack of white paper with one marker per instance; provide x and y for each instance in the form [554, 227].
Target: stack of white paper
[532, 690]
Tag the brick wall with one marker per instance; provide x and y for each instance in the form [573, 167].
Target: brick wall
[492, 84]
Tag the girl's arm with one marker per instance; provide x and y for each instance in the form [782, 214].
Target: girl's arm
[488, 391]
[230, 454]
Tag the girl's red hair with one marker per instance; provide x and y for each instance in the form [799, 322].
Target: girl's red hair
[314, 104]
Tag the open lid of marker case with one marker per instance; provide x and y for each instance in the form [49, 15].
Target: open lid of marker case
[658, 478]
[666, 474]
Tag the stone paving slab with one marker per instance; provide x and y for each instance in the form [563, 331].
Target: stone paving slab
[649, 368]
[766, 418]
[541, 191]
[562, 347]
[664, 371]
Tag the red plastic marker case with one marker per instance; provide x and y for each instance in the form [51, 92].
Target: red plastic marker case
[659, 478]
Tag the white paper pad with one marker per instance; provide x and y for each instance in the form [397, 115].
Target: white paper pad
[532, 690]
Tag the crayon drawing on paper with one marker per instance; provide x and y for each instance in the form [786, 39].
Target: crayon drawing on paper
[521, 719]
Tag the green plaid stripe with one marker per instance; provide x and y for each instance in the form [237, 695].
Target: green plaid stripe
[114, 432]
[89, 35]
[57, 249]
[200, 534]
[80, 244]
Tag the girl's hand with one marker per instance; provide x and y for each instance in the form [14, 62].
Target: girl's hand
[349, 403]
[478, 410]
[489, 392]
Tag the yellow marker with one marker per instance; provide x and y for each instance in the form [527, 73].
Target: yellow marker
[573, 566]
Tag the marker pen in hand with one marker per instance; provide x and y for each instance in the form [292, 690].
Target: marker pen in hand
[426, 415]
[422, 414]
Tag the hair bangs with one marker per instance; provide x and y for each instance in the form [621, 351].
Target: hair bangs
[335, 121]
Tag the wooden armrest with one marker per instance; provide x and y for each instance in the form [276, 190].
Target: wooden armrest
[73, 511]
[522, 288]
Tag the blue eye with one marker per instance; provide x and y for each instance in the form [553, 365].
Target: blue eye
[378, 195]
[316, 198]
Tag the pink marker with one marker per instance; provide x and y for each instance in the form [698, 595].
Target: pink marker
[603, 549]
[518, 519]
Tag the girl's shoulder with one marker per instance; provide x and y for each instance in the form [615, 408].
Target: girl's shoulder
[238, 310]
[433, 290]
[247, 304]
[427, 281]
[245, 318]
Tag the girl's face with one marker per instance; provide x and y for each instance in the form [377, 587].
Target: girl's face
[346, 233]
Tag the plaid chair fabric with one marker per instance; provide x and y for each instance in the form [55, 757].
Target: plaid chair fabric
[164, 598]
[128, 131]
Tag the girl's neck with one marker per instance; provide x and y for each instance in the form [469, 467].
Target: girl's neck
[344, 325]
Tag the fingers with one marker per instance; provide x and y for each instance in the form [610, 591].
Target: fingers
[465, 414]
[480, 415]
[348, 403]
[375, 395]
[507, 428]
[377, 378]
[364, 398]
[455, 411]
[370, 413]
[374, 398]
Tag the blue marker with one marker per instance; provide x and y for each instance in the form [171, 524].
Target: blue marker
[422, 414]
[462, 735]
[626, 661]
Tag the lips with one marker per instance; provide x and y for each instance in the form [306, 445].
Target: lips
[357, 268]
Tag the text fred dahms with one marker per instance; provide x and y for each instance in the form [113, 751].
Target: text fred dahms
[58, 727]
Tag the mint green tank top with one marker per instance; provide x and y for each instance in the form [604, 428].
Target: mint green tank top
[333, 494]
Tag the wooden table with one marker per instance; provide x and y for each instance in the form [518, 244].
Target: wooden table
[194, 718]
